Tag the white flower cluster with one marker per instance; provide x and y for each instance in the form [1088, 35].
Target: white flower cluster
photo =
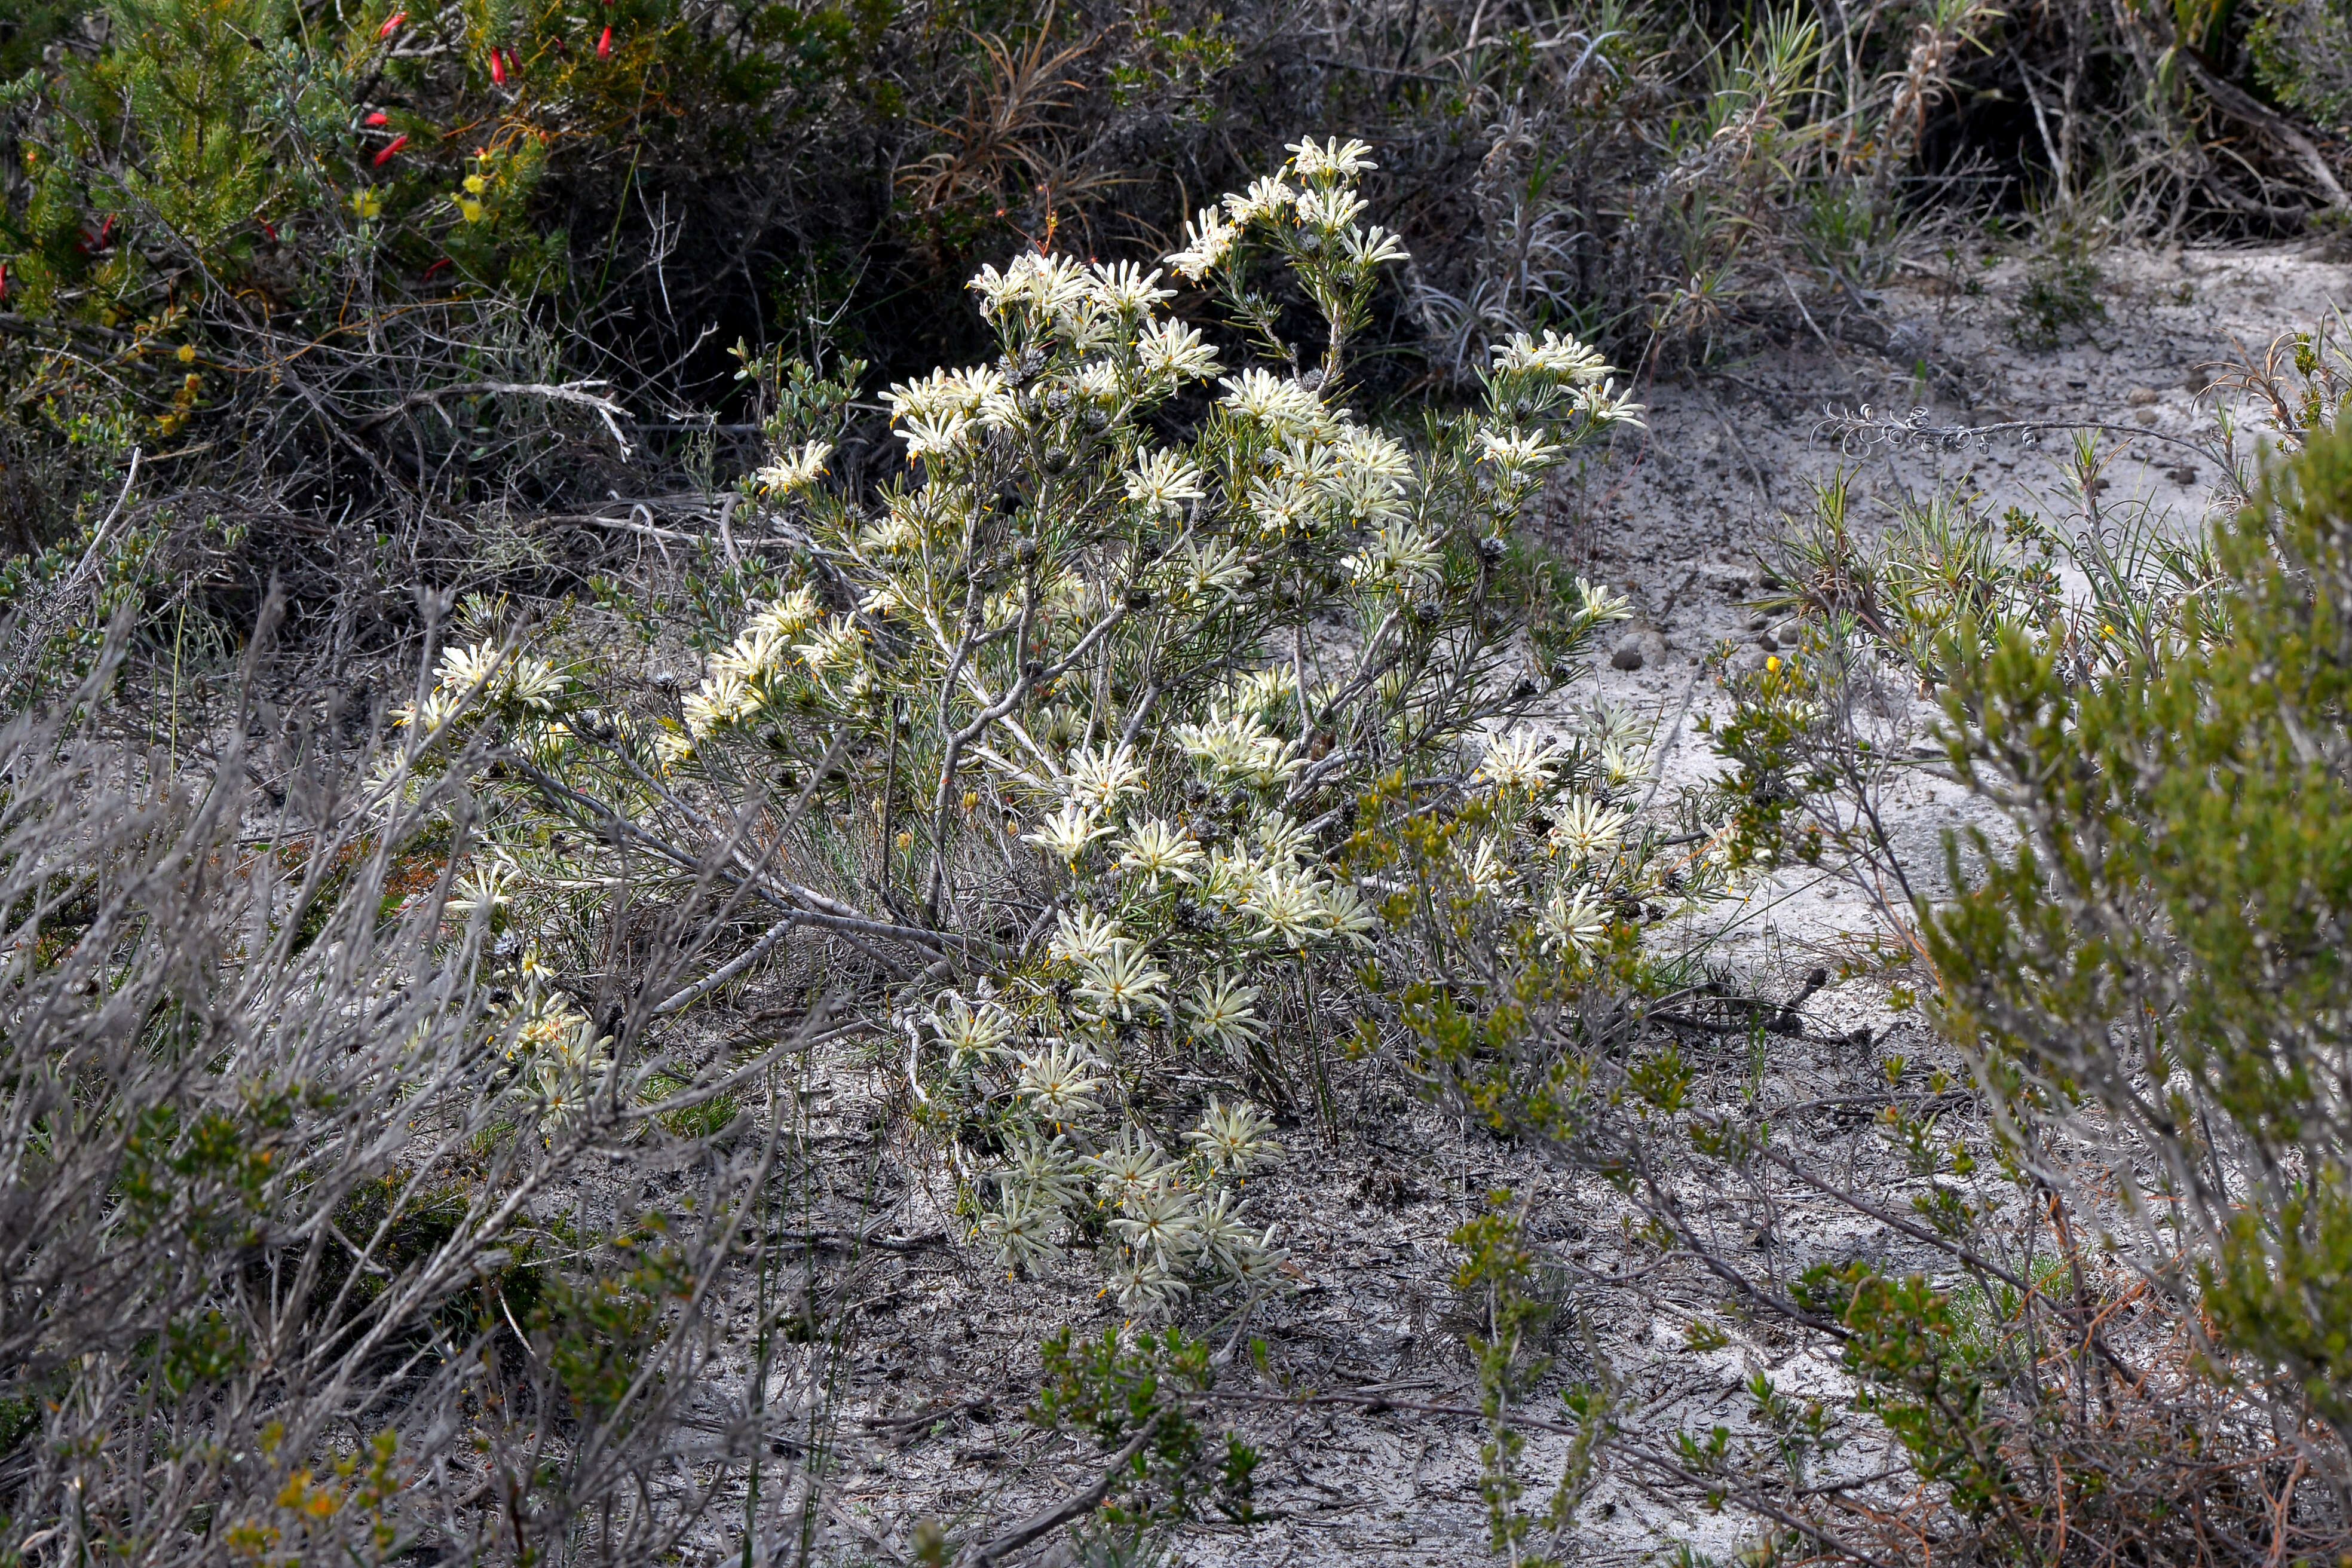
[1398, 558]
[562, 1056]
[1271, 895]
[1240, 750]
[1565, 361]
[1176, 1222]
[1563, 358]
[1318, 470]
[1527, 374]
[482, 673]
[1520, 456]
[1164, 480]
[1570, 921]
[1584, 829]
[796, 469]
[1518, 761]
[1577, 831]
[1285, 406]
[748, 675]
[1324, 204]
[945, 395]
[1091, 784]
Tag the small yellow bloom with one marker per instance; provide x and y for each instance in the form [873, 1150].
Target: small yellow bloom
[366, 203]
[471, 211]
[2106, 631]
[475, 184]
[187, 354]
[1771, 662]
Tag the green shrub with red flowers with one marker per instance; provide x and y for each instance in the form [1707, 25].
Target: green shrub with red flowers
[400, 260]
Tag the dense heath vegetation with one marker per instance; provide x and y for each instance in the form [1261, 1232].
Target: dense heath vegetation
[575, 571]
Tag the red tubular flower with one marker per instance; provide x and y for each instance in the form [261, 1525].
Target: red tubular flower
[498, 69]
[104, 231]
[604, 46]
[393, 26]
[378, 118]
[436, 268]
[3, 280]
[395, 145]
[270, 229]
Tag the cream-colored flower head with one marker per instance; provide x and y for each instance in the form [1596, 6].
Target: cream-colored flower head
[796, 469]
[1208, 241]
[1264, 198]
[1554, 356]
[1345, 159]
[1518, 761]
[1126, 288]
[1164, 480]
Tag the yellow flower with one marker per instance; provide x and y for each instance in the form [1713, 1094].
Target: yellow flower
[471, 211]
[1771, 663]
[367, 204]
[187, 354]
[475, 184]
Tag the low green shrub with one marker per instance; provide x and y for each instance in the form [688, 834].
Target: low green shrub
[2138, 966]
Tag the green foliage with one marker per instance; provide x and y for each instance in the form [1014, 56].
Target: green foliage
[337, 220]
[200, 1350]
[1901, 1339]
[62, 602]
[1134, 1391]
[273, 1176]
[1496, 1280]
[205, 1174]
[2300, 50]
[2061, 292]
[2184, 923]
[597, 1334]
[2141, 961]
[1145, 742]
[700, 1118]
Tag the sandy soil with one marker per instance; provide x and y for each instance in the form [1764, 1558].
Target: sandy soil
[1678, 522]
[944, 1355]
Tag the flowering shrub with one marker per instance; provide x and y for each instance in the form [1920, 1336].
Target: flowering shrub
[1059, 737]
